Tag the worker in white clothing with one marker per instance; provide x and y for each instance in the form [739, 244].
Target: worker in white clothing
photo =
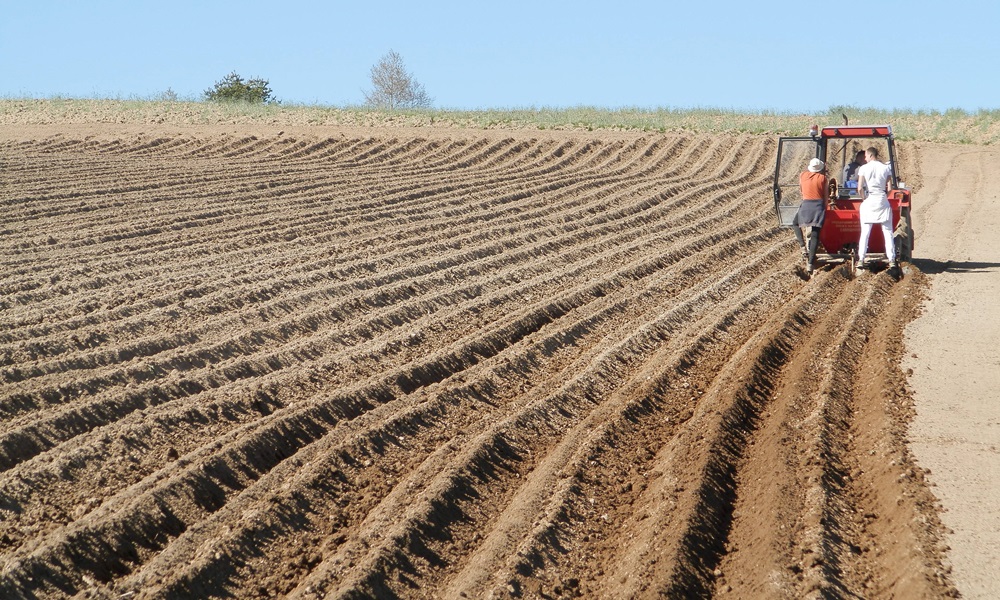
[874, 181]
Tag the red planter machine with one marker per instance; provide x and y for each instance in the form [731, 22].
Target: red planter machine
[836, 146]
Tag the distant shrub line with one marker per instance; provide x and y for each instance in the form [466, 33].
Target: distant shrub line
[953, 126]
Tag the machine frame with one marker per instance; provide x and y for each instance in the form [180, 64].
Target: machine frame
[842, 227]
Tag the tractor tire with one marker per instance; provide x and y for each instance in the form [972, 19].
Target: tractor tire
[903, 237]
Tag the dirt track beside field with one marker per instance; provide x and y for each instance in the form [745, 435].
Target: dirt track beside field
[953, 361]
[419, 363]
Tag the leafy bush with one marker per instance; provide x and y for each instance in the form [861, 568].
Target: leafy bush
[233, 88]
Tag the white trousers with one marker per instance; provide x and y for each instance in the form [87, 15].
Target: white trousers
[890, 247]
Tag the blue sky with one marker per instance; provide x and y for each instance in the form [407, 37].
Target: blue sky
[777, 55]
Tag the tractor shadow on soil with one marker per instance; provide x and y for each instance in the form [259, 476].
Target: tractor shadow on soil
[936, 267]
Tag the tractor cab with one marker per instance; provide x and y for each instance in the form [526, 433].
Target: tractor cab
[837, 147]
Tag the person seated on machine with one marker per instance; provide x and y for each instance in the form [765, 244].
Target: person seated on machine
[850, 180]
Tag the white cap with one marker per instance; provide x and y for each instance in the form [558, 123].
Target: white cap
[816, 165]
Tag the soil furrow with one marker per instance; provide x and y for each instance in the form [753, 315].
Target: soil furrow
[357, 362]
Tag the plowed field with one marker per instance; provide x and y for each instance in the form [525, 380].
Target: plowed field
[429, 364]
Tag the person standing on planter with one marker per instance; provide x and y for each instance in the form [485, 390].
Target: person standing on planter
[812, 211]
[874, 181]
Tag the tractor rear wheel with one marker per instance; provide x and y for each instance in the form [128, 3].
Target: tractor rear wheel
[903, 236]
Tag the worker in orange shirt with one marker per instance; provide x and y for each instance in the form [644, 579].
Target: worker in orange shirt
[812, 211]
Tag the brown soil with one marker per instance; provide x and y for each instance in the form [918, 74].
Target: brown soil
[418, 363]
[953, 361]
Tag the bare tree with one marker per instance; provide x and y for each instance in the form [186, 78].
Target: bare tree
[393, 87]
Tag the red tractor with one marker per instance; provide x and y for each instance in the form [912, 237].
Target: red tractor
[837, 147]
